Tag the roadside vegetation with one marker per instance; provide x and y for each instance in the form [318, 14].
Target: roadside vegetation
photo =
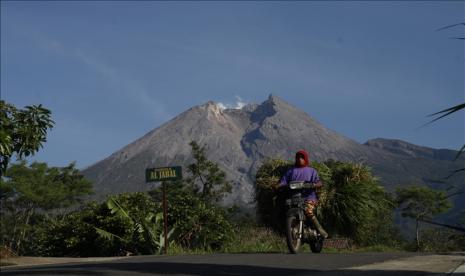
[352, 202]
[43, 212]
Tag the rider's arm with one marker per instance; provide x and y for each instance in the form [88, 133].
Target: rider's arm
[315, 182]
[310, 185]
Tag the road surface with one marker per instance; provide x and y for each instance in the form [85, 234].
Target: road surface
[365, 264]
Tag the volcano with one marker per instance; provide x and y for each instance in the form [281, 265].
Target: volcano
[240, 140]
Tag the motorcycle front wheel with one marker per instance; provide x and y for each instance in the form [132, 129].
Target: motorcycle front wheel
[317, 245]
[293, 234]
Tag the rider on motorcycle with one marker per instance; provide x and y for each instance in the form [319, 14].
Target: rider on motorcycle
[302, 172]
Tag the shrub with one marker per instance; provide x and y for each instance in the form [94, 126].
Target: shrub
[197, 223]
[441, 240]
[80, 233]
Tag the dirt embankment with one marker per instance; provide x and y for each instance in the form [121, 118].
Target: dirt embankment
[28, 261]
[9, 258]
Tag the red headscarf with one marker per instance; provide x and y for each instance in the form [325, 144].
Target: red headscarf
[305, 155]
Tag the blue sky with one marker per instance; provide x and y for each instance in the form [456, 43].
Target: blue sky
[112, 71]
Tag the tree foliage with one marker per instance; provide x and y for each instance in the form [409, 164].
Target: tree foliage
[22, 131]
[207, 179]
[40, 186]
[25, 190]
[420, 202]
[198, 224]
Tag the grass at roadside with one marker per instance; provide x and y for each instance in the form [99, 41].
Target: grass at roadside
[256, 239]
[373, 248]
[244, 240]
[175, 249]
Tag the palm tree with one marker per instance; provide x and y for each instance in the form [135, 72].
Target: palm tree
[453, 109]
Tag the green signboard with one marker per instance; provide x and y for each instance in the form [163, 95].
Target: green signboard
[163, 174]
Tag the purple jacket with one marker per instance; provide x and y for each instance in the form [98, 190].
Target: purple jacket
[302, 174]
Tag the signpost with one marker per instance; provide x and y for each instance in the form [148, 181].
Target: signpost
[164, 174]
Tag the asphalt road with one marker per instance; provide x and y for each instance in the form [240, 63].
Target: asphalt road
[365, 264]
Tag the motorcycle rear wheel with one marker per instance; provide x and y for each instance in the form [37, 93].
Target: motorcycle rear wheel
[293, 235]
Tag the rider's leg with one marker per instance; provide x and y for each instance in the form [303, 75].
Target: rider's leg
[310, 206]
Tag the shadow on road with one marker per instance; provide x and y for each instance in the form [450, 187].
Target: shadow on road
[170, 268]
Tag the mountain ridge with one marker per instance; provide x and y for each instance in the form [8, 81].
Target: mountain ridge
[409, 149]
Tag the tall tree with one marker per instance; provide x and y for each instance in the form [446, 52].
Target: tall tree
[420, 202]
[207, 175]
[22, 131]
[26, 189]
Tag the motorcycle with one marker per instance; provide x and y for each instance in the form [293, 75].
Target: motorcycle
[299, 229]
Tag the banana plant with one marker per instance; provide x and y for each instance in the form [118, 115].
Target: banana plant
[149, 227]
